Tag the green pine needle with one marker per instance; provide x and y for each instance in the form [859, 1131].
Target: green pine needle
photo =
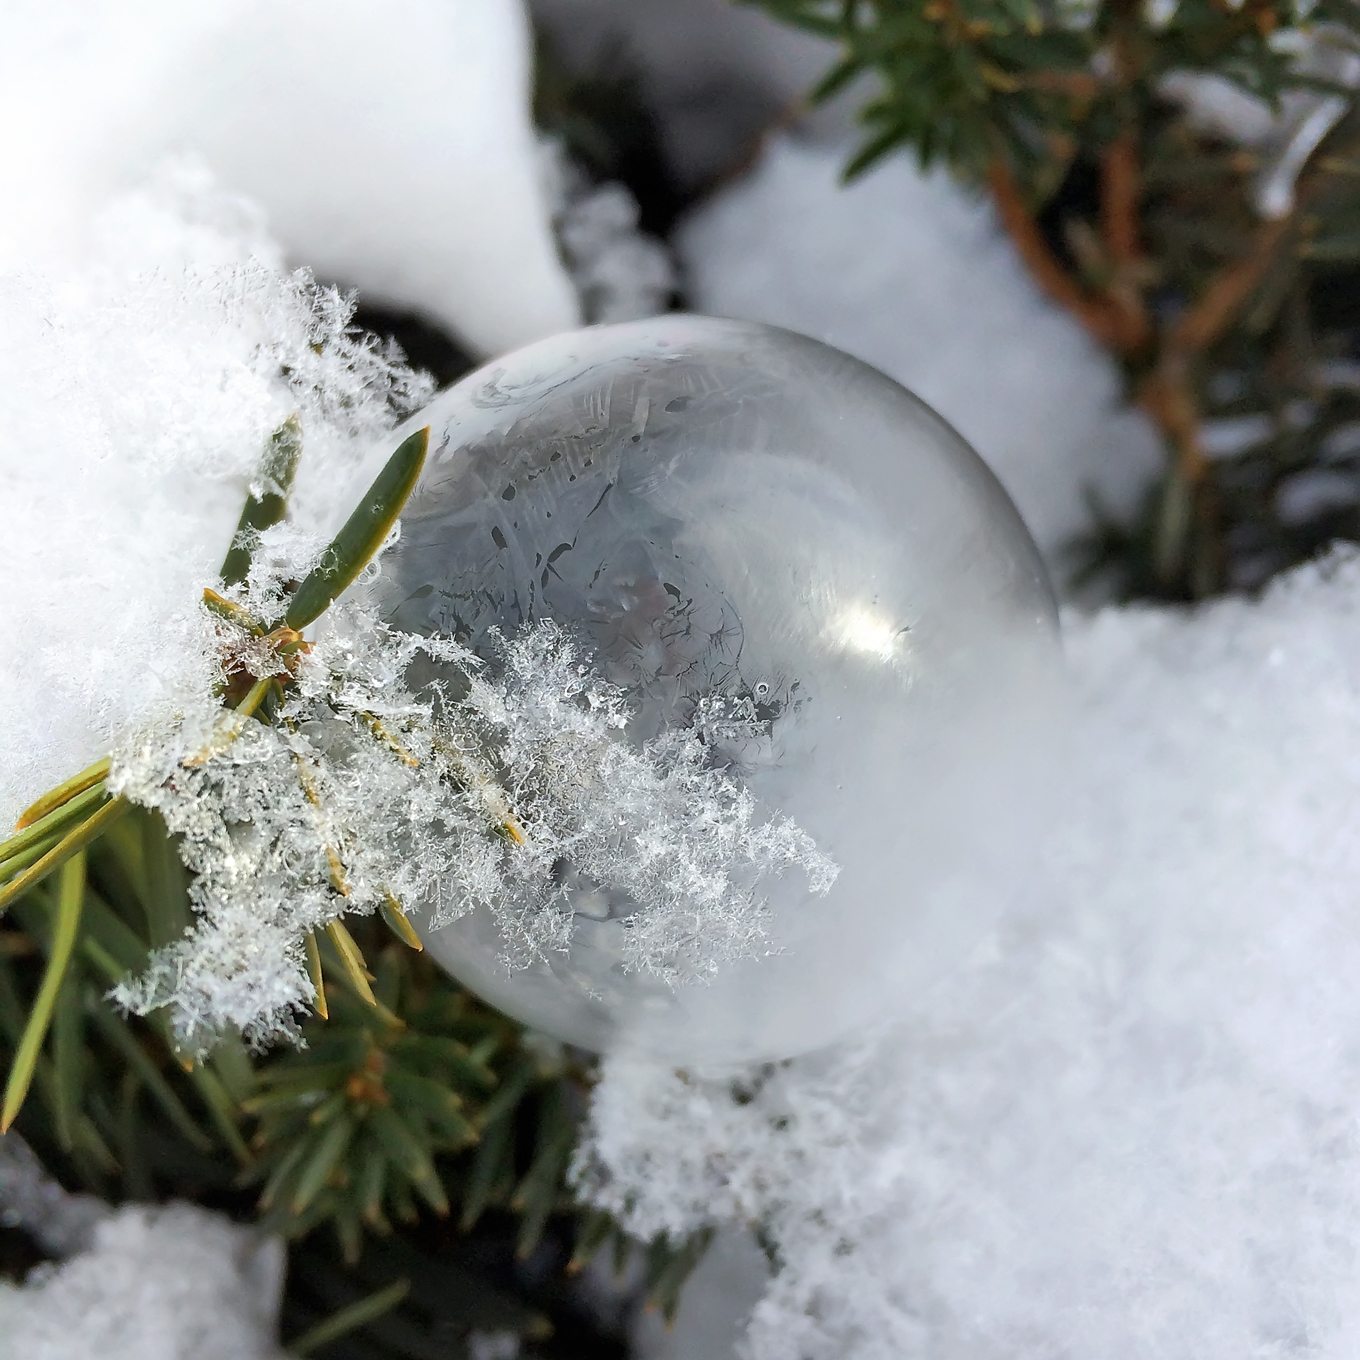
[70, 900]
[267, 509]
[70, 844]
[44, 828]
[363, 534]
[350, 1319]
[399, 923]
[328, 1150]
[314, 972]
[57, 797]
[351, 960]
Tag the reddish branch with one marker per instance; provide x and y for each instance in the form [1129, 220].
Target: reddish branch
[1117, 317]
[1108, 293]
[1119, 200]
[1219, 305]
[1095, 312]
[1168, 392]
[1120, 208]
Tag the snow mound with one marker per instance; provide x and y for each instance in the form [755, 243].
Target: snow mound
[1130, 1129]
[392, 148]
[909, 272]
[172, 1283]
[138, 397]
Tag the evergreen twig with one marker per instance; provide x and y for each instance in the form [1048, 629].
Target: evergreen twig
[408, 1091]
[1146, 227]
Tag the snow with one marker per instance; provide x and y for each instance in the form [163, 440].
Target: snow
[136, 403]
[620, 273]
[909, 272]
[391, 148]
[1129, 1129]
[171, 1283]
[59, 1222]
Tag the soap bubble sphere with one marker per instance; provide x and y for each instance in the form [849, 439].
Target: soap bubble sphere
[723, 506]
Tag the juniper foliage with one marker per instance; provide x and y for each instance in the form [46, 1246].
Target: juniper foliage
[1219, 272]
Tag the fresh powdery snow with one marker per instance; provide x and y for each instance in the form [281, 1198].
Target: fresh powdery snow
[137, 1283]
[164, 1283]
[136, 403]
[1128, 1130]
[620, 273]
[391, 145]
[712, 74]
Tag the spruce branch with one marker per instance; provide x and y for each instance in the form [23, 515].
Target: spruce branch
[55, 831]
[409, 1098]
[1200, 266]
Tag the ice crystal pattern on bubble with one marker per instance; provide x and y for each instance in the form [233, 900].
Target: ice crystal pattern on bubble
[366, 785]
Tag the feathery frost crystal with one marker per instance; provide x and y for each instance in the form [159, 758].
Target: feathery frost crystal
[464, 793]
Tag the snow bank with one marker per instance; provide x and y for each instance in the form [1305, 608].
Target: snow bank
[391, 147]
[909, 272]
[175, 1283]
[1130, 1129]
[138, 393]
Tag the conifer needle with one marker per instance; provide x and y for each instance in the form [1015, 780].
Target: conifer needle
[318, 978]
[63, 792]
[70, 900]
[41, 828]
[363, 534]
[269, 507]
[399, 923]
[350, 1318]
[352, 959]
[74, 841]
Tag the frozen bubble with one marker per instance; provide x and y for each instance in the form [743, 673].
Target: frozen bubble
[727, 513]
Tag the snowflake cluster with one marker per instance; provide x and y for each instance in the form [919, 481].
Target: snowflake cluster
[401, 768]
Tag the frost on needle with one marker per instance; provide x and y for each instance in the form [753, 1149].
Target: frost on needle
[470, 790]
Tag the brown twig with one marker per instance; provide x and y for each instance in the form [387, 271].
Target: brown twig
[1118, 320]
[1206, 322]
[1119, 200]
[1120, 206]
[1121, 181]
[1168, 391]
[1094, 312]
[1080, 86]
[1167, 395]
[1106, 287]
